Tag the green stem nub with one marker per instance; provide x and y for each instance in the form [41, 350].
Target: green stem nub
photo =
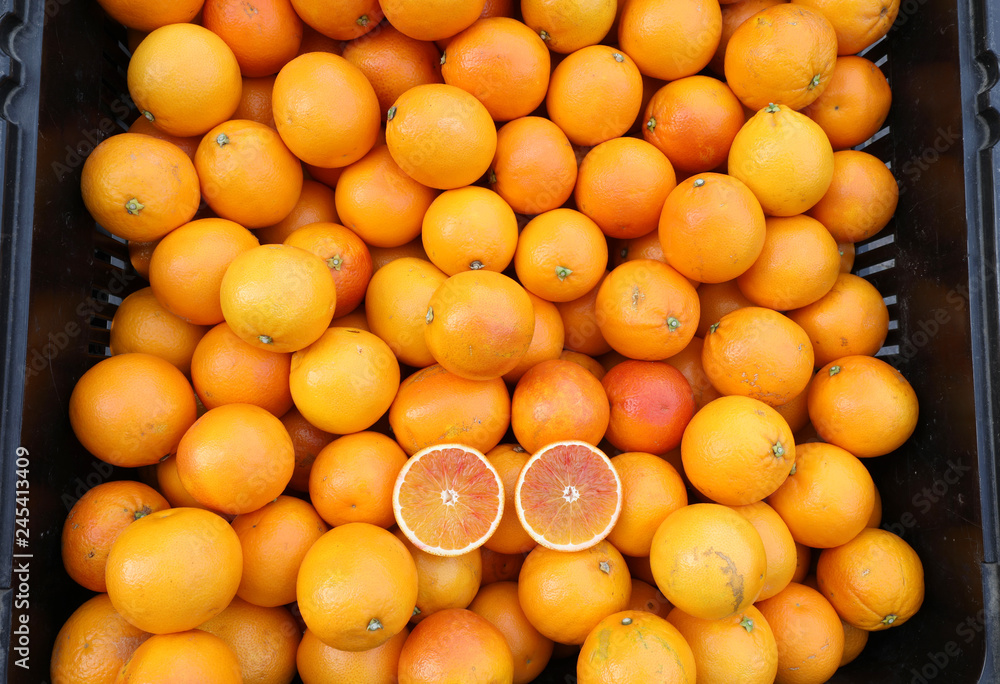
[374, 625]
[222, 139]
[778, 450]
[362, 20]
[444, 58]
[476, 265]
[605, 567]
[133, 206]
[795, 467]
[430, 314]
[673, 323]
[698, 183]
[771, 108]
[148, 114]
[142, 512]
[619, 57]
[335, 262]
[626, 621]
[562, 272]
[543, 34]
[813, 83]
[492, 177]
[391, 113]
[712, 328]
[651, 124]
[747, 624]
[889, 619]
[416, 611]
[266, 339]
[834, 370]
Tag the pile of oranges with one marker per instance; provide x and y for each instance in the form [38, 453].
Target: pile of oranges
[481, 334]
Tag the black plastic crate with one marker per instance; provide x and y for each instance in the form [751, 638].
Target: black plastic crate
[62, 88]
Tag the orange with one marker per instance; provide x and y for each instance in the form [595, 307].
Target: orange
[846, 256]
[278, 298]
[863, 405]
[144, 126]
[711, 228]
[443, 582]
[235, 458]
[379, 202]
[393, 63]
[132, 409]
[670, 41]
[651, 404]
[448, 499]
[345, 381]
[688, 362]
[168, 482]
[546, 340]
[594, 78]
[718, 299]
[455, 645]
[321, 664]
[262, 39]
[693, 122]
[796, 411]
[352, 479]
[708, 561]
[778, 143]
[432, 19]
[178, 547]
[138, 187]
[568, 496]
[851, 319]
[194, 656]
[434, 406]
[344, 21]
[798, 265]
[325, 109]
[498, 8]
[500, 567]
[648, 598]
[188, 266]
[356, 587]
[534, 168]
[565, 594]
[807, 630]
[144, 17]
[498, 604]
[858, 23]
[739, 648]
[861, 198]
[94, 523]
[275, 539]
[557, 400]
[855, 103]
[93, 644]
[875, 581]
[827, 499]
[316, 204]
[503, 63]
[441, 136]
[567, 26]
[651, 490]
[779, 546]
[581, 323]
[255, 101]
[247, 174]
[227, 370]
[588, 363]
[783, 55]
[644, 247]
[854, 642]
[139, 254]
[346, 256]
[560, 255]
[355, 319]
[184, 79]
[876, 518]
[329, 176]
[509, 537]
[142, 324]
[759, 353]
[733, 15]
[622, 186]
[737, 450]
[469, 228]
[636, 644]
[308, 440]
[396, 306]
[479, 324]
[264, 640]
[646, 310]
[803, 562]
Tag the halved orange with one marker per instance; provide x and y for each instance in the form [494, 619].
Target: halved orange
[568, 496]
[448, 499]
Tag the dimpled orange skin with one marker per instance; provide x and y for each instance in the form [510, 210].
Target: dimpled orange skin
[733, 15]
[479, 324]
[263, 36]
[441, 136]
[435, 406]
[535, 167]
[131, 409]
[758, 353]
[185, 79]
[345, 254]
[264, 640]
[143, 324]
[737, 450]
[193, 656]
[179, 547]
[708, 561]
[670, 41]
[353, 575]
[652, 489]
[469, 228]
[344, 20]
[569, 25]
[808, 634]
[855, 103]
[636, 646]
[325, 109]
[779, 546]
[560, 255]
[145, 17]
[93, 644]
[785, 158]
[740, 648]
[509, 537]
[317, 663]
[432, 19]
[784, 54]
[456, 645]
[864, 405]
[139, 187]
[875, 581]
[858, 23]
[861, 199]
